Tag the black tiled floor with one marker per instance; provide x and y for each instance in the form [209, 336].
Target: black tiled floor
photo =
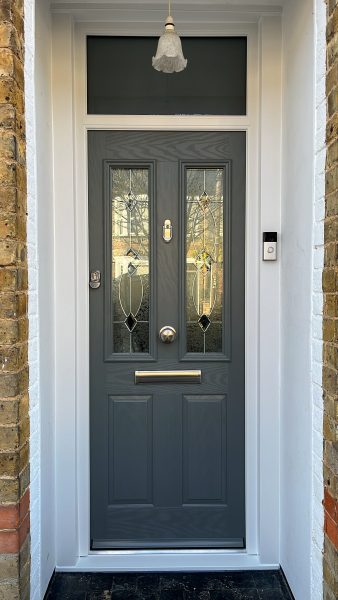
[228, 585]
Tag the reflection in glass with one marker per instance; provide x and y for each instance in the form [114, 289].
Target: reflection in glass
[130, 260]
[204, 259]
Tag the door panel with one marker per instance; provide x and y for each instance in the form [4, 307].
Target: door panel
[130, 418]
[167, 458]
[204, 449]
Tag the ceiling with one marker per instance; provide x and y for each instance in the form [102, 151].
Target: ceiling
[155, 11]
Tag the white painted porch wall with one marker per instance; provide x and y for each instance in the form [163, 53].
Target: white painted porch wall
[38, 98]
[33, 303]
[302, 235]
[317, 303]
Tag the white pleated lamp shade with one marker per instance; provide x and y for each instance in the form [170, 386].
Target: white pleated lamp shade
[169, 56]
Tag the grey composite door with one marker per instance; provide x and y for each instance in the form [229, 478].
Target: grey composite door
[167, 423]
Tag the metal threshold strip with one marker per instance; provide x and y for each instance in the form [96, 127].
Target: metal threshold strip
[168, 546]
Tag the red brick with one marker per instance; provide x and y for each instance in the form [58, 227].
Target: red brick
[9, 516]
[330, 505]
[331, 529]
[9, 542]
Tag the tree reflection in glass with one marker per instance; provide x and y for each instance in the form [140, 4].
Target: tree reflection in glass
[204, 259]
[130, 260]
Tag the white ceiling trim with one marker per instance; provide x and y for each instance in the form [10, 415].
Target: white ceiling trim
[151, 12]
[231, 4]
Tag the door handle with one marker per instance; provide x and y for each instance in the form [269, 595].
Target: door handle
[167, 334]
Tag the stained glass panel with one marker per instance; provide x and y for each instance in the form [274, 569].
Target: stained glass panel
[130, 260]
[204, 259]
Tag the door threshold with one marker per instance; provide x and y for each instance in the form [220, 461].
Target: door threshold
[169, 560]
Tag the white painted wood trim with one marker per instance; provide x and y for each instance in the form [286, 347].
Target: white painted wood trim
[65, 292]
[269, 302]
[175, 561]
[153, 13]
[72, 326]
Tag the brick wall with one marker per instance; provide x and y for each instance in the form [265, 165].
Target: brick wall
[14, 421]
[330, 323]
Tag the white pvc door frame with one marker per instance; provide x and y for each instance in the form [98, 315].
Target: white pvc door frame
[263, 127]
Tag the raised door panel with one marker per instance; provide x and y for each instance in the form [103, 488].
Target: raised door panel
[130, 434]
[204, 449]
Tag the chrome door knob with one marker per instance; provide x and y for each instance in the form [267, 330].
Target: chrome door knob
[167, 334]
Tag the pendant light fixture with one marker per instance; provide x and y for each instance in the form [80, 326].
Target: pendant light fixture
[169, 56]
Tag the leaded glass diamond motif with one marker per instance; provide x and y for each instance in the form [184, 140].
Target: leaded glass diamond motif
[130, 322]
[204, 322]
[131, 269]
[131, 201]
[204, 261]
[132, 253]
[204, 200]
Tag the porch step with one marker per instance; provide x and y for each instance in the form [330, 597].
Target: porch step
[229, 585]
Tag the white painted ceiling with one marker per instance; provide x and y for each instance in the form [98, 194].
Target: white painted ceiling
[176, 4]
[155, 11]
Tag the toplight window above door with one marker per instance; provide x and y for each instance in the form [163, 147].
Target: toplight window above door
[121, 80]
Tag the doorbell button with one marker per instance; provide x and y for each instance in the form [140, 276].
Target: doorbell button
[270, 245]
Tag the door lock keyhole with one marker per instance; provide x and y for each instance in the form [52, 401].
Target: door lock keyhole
[167, 230]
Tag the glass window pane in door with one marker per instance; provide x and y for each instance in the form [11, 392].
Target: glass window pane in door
[130, 259]
[204, 260]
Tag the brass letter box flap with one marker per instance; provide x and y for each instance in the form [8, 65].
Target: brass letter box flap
[194, 376]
